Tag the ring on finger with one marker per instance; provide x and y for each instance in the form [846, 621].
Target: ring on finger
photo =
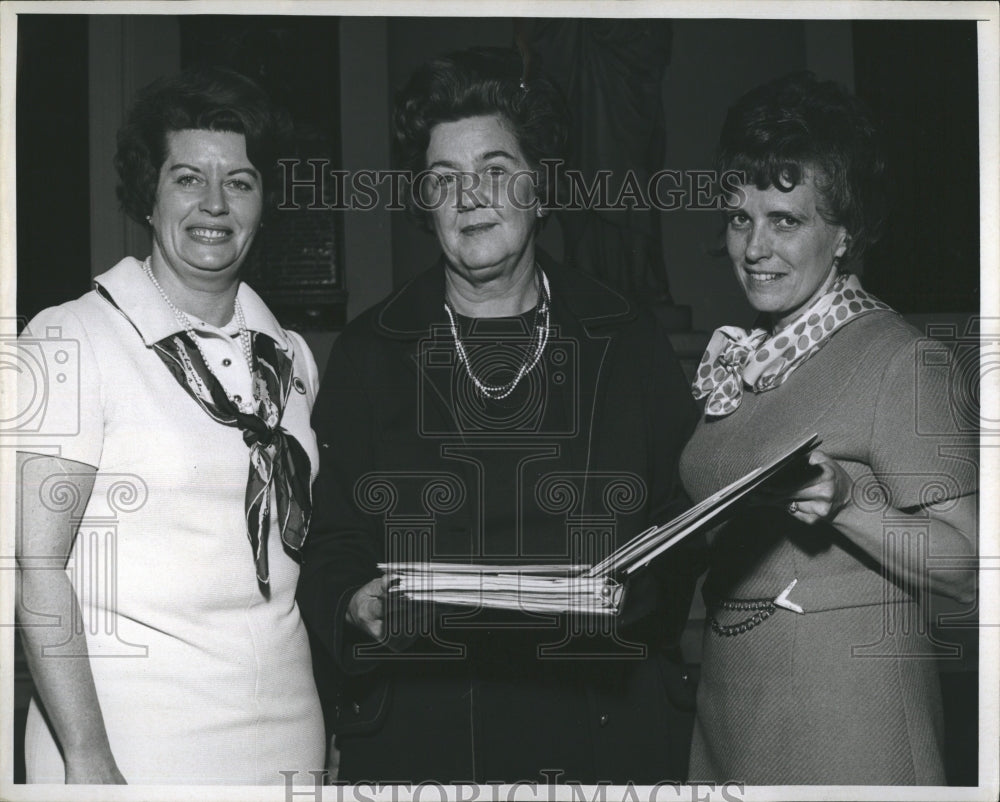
[793, 508]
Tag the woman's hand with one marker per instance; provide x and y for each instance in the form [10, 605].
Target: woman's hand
[952, 524]
[88, 768]
[367, 608]
[821, 498]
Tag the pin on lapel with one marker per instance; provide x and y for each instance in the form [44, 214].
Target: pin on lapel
[782, 600]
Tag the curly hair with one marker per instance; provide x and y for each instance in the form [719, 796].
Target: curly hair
[199, 98]
[476, 82]
[795, 124]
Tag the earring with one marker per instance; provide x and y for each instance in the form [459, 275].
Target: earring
[539, 212]
[844, 246]
[149, 219]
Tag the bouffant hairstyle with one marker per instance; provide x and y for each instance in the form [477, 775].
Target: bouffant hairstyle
[776, 133]
[199, 98]
[472, 83]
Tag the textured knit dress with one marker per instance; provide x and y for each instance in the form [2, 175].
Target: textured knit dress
[202, 676]
[839, 694]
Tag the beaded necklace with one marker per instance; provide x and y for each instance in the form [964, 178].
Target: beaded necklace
[539, 338]
[245, 406]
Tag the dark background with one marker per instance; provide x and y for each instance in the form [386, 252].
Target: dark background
[918, 78]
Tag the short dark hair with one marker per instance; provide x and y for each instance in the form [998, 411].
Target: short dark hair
[199, 98]
[776, 132]
[476, 82]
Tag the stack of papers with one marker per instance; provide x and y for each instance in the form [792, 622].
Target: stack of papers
[597, 589]
[531, 588]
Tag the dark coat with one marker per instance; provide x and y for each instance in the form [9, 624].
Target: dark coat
[408, 464]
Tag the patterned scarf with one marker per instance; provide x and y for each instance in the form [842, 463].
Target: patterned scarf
[277, 459]
[763, 361]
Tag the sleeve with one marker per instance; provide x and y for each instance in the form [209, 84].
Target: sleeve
[60, 394]
[339, 555]
[305, 365]
[299, 407]
[924, 433]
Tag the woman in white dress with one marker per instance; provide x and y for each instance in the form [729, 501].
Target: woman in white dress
[165, 485]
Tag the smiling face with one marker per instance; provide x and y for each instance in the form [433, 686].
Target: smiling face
[783, 252]
[208, 205]
[487, 231]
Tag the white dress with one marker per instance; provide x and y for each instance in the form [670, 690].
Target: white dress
[202, 677]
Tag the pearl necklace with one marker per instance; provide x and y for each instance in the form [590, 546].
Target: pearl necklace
[245, 406]
[539, 335]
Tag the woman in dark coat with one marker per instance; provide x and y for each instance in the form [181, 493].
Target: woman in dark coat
[499, 408]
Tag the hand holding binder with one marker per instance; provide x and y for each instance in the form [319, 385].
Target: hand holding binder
[599, 589]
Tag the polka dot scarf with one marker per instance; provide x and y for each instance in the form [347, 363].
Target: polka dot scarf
[762, 361]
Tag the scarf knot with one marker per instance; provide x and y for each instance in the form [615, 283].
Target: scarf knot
[721, 370]
[255, 432]
[733, 359]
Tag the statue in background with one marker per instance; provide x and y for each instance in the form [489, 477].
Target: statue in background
[611, 71]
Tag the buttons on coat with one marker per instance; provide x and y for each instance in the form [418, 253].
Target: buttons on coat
[227, 362]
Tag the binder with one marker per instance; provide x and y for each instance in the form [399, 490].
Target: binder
[598, 589]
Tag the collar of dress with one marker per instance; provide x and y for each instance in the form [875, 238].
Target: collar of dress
[134, 294]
